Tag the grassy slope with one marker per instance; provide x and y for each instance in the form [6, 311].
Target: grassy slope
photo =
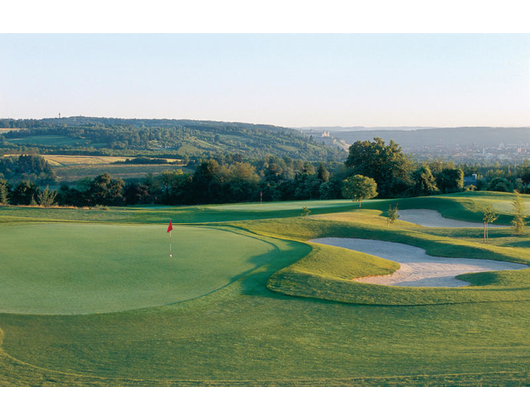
[246, 334]
[324, 277]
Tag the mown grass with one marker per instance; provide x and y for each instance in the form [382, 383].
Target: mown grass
[468, 206]
[248, 335]
[461, 206]
[105, 268]
[322, 275]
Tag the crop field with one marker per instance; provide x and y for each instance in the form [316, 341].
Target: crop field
[74, 160]
[71, 168]
[75, 172]
[92, 298]
[71, 160]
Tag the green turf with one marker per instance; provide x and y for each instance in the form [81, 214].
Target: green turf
[247, 334]
[468, 206]
[75, 269]
[47, 140]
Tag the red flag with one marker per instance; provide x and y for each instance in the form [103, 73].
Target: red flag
[170, 227]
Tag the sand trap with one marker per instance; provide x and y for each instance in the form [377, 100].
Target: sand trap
[432, 218]
[417, 268]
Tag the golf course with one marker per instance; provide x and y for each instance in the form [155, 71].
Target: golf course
[265, 294]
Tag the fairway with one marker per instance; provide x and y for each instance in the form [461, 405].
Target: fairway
[93, 268]
[287, 205]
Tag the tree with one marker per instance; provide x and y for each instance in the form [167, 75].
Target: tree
[305, 212]
[329, 190]
[499, 184]
[424, 183]
[358, 188]
[67, 196]
[163, 184]
[4, 190]
[392, 214]
[206, 186]
[47, 197]
[136, 192]
[386, 165]
[25, 192]
[322, 173]
[104, 190]
[450, 180]
[518, 221]
[242, 182]
[489, 217]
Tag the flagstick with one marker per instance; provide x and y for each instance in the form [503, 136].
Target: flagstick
[169, 229]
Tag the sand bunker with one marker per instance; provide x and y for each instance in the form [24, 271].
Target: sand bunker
[431, 218]
[417, 268]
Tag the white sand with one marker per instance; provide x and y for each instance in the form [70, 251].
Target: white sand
[417, 268]
[432, 218]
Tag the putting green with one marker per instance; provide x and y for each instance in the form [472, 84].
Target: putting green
[64, 268]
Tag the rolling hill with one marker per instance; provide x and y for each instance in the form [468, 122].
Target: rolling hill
[172, 138]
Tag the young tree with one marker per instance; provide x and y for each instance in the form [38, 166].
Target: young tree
[489, 217]
[47, 197]
[358, 188]
[4, 200]
[518, 221]
[392, 214]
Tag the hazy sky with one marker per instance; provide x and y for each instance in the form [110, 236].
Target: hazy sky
[289, 80]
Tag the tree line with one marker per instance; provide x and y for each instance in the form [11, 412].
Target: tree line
[30, 167]
[223, 180]
[372, 168]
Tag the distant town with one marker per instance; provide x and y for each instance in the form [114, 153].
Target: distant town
[461, 145]
[512, 153]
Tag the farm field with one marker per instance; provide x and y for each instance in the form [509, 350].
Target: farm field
[70, 160]
[71, 168]
[74, 160]
[72, 173]
[247, 301]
